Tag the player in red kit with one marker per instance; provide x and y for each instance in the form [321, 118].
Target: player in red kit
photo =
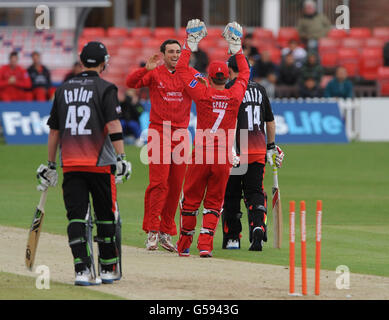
[217, 110]
[14, 81]
[169, 118]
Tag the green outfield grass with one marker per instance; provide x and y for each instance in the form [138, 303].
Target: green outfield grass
[351, 179]
[17, 287]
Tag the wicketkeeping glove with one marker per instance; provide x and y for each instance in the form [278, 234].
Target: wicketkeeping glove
[47, 176]
[196, 31]
[123, 169]
[233, 33]
[274, 155]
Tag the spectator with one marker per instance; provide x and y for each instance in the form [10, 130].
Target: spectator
[77, 68]
[310, 89]
[289, 73]
[14, 81]
[42, 89]
[299, 53]
[199, 61]
[249, 50]
[311, 69]
[269, 83]
[313, 25]
[131, 111]
[263, 67]
[339, 86]
[386, 54]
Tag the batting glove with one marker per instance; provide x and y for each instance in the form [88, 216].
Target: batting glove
[274, 155]
[196, 31]
[47, 176]
[233, 33]
[235, 159]
[123, 169]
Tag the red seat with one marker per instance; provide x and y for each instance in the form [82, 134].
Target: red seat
[374, 43]
[275, 55]
[217, 54]
[381, 32]
[165, 33]
[370, 60]
[140, 32]
[329, 59]
[153, 43]
[117, 32]
[214, 32]
[349, 58]
[181, 33]
[360, 33]
[93, 32]
[357, 43]
[262, 34]
[328, 45]
[337, 34]
[383, 80]
[285, 34]
[132, 43]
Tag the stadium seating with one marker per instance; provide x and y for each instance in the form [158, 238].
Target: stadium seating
[383, 80]
[356, 43]
[329, 60]
[361, 33]
[165, 33]
[370, 60]
[117, 32]
[374, 43]
[337, 33]
[349, 58]
[285, 34]
[93, 32]
[140, 32]
[328, 45]
[263, 34]
[382, 33]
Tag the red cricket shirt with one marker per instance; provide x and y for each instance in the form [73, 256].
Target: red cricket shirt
[169, 101]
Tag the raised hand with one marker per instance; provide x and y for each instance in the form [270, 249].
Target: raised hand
[233, 33]
[152, 63]
[196, 31]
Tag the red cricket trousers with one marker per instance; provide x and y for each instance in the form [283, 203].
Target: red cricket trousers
[203, 182]
[168, 151]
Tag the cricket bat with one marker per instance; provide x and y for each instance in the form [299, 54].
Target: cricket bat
[35, 230]
[277, 211]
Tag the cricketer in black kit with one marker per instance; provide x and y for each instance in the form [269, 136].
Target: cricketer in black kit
[254, 112]
[84, 124]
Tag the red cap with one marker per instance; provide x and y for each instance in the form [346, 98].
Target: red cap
[216, 67]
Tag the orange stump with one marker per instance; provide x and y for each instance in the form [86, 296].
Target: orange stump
[291, 245]
[303, 249]
[318, 246]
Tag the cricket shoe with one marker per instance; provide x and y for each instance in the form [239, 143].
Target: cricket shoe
[108, 277]
[257, 239]
[232, 244]
[205, 254]
[152, 241]
[166, 242]
[184, 253]
[84, 278]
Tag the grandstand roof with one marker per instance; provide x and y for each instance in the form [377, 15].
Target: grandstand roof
[54, 3]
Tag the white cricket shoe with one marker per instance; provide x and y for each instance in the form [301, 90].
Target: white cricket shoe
[84, 278]
[232, 244]
[108, 277]
[152, 241]
[166, 242]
